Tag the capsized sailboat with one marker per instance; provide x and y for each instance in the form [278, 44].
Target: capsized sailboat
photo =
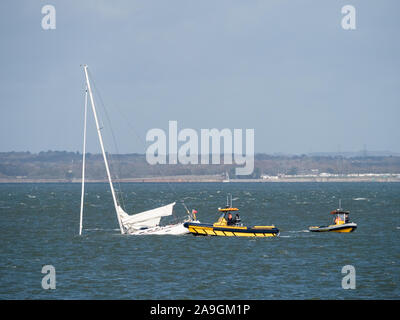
[147, 222]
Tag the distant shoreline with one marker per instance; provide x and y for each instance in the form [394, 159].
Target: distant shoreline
[66, 167]
[203, 180]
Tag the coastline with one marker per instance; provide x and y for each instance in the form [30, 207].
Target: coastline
[207, 179]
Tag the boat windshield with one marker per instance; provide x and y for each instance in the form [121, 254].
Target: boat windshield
[341, 218]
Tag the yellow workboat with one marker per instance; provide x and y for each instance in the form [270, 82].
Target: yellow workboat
[341, 223]
[227, 226]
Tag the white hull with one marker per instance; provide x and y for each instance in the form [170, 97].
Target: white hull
[173, 229]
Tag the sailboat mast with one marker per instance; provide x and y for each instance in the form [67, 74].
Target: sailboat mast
[83, 166]
[102, 148]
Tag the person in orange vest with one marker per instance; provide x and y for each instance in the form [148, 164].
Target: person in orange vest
[194, 214]
[339, 220]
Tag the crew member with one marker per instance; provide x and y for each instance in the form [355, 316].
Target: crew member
[337, 219]
[230, 220]
[237, 218]
[194, 214]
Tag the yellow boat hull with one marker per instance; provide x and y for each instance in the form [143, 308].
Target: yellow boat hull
[342, 228]
[199, 229]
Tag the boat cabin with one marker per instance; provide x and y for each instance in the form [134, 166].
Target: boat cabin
[341, 217]
[226, 218]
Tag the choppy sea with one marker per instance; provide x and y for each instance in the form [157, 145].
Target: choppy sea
[39, 226]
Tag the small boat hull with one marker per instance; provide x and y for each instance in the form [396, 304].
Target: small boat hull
[202, 229]
[347, 227]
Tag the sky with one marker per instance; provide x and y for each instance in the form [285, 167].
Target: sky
[285, 68]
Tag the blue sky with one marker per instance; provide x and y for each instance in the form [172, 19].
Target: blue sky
[286, 69]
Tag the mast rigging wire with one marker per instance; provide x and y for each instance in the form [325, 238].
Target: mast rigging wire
[120, 192]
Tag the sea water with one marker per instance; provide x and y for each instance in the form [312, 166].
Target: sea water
[40, 223]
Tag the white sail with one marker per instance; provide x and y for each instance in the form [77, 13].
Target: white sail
[146, 219]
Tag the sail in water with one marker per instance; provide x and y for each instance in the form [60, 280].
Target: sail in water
[147, 222]
[146, 219]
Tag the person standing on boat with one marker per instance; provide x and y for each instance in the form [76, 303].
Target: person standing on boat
[339, 220]
[237, 218]
[194, 214]
[230, 219]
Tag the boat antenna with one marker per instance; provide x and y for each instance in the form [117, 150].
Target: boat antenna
[85, 68]
[229, 200]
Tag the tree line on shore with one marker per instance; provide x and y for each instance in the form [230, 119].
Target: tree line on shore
[68, 165]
